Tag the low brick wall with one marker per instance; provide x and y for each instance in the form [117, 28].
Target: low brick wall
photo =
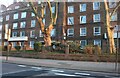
[75, 57]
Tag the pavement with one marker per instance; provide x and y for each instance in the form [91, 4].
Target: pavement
[79, 65]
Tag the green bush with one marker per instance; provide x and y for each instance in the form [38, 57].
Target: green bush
[18, 48]
[37, 46]
[74, 47]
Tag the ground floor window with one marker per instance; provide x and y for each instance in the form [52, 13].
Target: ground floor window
[31, 44]
[83, 43]
[97, 42]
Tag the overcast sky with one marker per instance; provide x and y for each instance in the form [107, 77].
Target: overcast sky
[6, 2]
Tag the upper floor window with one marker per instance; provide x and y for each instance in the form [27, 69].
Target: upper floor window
[32, 14]
[70, 32]
[32, 33]
[83, 31]
[22, 33]
[23, 14]
[70, 21]
[70, 9]
[43, 21]
[83, 43]
[97, 31]
[0, 27]
[15, 16]
[7, 17]
[112, 4]
[96, 17]
[15, 25]
[33, 22]
[114, 17]
[53, 32]
[16, 7]
[82, 19]
[82, 7]
[53, 9]
[22, 24]
[14, 34]
[96, 5]
[40, 34]
[97, 42]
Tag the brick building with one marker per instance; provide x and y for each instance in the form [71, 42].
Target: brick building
[77, 21]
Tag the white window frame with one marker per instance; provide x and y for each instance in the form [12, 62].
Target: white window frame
[70, 21]
[96, 18]
[53, 9]
[32, 44]
[81, 33]
[15, 25]
[33, 23]
[15, 16]
[32, 14]
[70, 34]
[70, 9]
[97, 42]
[83, 19]
[82, 46]
[53, 33]
[23, 14]
[31, 33]
[83, 7]
[21, 33]
[22, 24]
[14, 34]
[40, 34]
[97, 33]
[7, 17]
[112, 4]
[96, 7]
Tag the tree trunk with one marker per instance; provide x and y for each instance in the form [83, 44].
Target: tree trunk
[109, 29]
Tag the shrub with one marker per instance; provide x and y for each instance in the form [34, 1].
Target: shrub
[88, 49]
[18, 48]
[97, 49]
[74, 47]
[4, 48]
[37, 46]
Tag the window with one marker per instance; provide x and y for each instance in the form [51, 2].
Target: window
[32, 33]
[23, 15]
[83, 43]
[15, 16]
[40, 34]
[112, 4]
[70, 9]
[1, 18]
[82, 19]
[22, 24]
[82, 7]
[31, 44]
[83, 31]
[70, 32]
[43, 21]
[70, 0]
[14, 44]
[96, 5]
[97, 42]
[33, 23]
[15, 25]
[53, 9]
[28, 4]
[70, 20]
[53, 32]
[7, 17]
[22, 33]
[97, 31]
[32, 14]
[96, 17]
[16, 7]
[39, 2]
[0, 35]
[114, 17]
[14, 34]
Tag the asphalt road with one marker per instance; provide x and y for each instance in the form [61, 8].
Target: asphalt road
[10, 70]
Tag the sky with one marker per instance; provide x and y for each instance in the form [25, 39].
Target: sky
[6, 2]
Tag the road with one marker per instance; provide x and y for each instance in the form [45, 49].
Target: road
[12, 70]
